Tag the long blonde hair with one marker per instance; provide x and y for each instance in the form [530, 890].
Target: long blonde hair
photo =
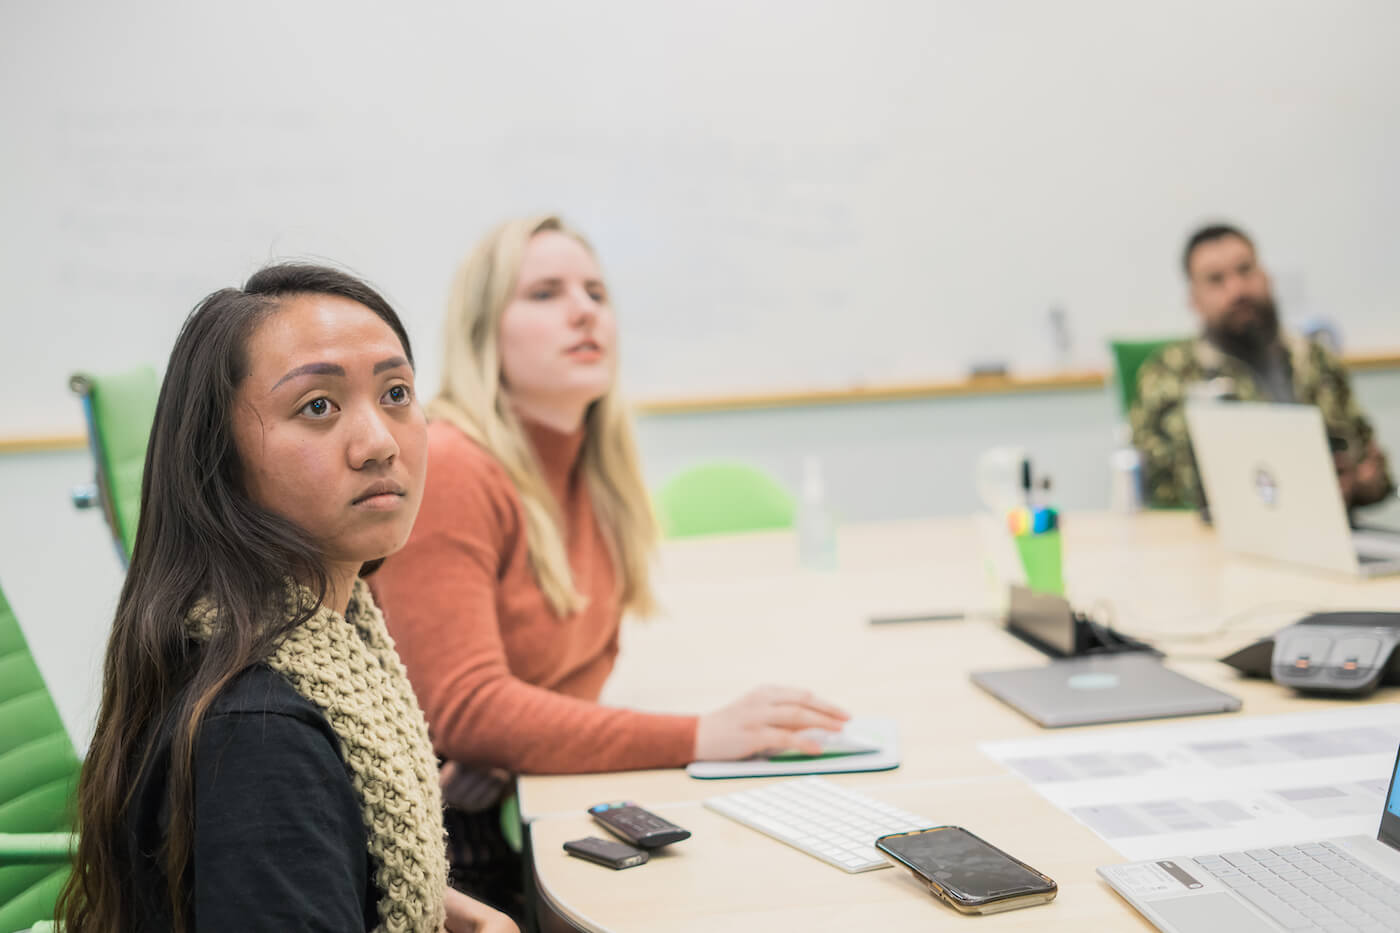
[473, 400]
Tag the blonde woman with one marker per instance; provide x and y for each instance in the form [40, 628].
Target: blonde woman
[534, 538]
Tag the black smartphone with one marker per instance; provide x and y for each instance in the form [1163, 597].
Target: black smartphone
[967, 872]
[615, 855]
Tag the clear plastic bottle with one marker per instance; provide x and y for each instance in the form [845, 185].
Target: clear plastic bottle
[1125, 475]
[816, 532]
[1126, 494]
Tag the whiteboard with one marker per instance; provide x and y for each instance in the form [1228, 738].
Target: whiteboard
[785, 195]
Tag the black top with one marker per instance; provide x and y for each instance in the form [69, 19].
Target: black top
[279, 842]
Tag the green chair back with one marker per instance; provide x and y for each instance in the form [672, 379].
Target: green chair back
[721, 497]
[120, 408]
[1128, 357]
[38, 779]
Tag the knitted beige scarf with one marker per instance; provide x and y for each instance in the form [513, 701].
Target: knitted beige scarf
[347, 666]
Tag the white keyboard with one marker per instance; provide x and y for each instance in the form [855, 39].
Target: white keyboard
[820, 818]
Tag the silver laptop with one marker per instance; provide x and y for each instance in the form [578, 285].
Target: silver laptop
[1271, 483]
[1111, 688]
[1348, 883]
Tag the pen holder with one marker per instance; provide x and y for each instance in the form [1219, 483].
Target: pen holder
[1040, 556]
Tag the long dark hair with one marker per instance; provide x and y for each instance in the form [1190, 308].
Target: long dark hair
[198, 535]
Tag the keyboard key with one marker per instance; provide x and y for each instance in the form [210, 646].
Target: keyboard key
[1369, 904]
[1282, 914]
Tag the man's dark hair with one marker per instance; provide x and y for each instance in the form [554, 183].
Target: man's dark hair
[1209, 234]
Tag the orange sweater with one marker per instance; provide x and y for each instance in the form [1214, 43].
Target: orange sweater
[503, 681]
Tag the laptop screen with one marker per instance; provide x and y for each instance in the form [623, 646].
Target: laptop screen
[1393, 804]
[1390, 817]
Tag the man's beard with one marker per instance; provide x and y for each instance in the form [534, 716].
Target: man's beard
[1247, 330]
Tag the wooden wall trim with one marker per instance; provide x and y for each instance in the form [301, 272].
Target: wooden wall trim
[1074, 381]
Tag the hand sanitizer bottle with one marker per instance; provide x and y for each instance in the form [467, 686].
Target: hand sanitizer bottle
[816, 533]
[1125, 475]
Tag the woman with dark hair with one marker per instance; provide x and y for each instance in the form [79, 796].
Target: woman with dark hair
[260, 761]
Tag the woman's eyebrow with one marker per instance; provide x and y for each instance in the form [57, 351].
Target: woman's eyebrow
[314, 369]
[335, 369]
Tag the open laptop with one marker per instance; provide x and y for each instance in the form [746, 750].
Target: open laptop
[1107, 688]
[1270, 479]
[1347, 883]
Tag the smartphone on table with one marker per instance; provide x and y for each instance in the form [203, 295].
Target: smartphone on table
[968, 873]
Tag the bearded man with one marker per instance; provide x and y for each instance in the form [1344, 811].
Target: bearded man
[1242, 353]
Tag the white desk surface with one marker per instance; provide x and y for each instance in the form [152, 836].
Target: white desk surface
[740, 612]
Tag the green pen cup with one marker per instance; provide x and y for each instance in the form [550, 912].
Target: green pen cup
[1041, 557]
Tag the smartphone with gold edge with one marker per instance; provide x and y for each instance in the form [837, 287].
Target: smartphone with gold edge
[966, 872]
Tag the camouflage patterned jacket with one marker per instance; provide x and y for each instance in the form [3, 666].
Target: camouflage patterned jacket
[1159, 417]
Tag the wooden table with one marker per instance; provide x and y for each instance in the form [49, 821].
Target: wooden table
[741, 612]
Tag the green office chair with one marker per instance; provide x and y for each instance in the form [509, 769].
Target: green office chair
[38, 779]
[1128, 357]
[721, 497]
[119, 408]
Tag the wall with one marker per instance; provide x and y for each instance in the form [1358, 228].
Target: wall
[788, 194]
